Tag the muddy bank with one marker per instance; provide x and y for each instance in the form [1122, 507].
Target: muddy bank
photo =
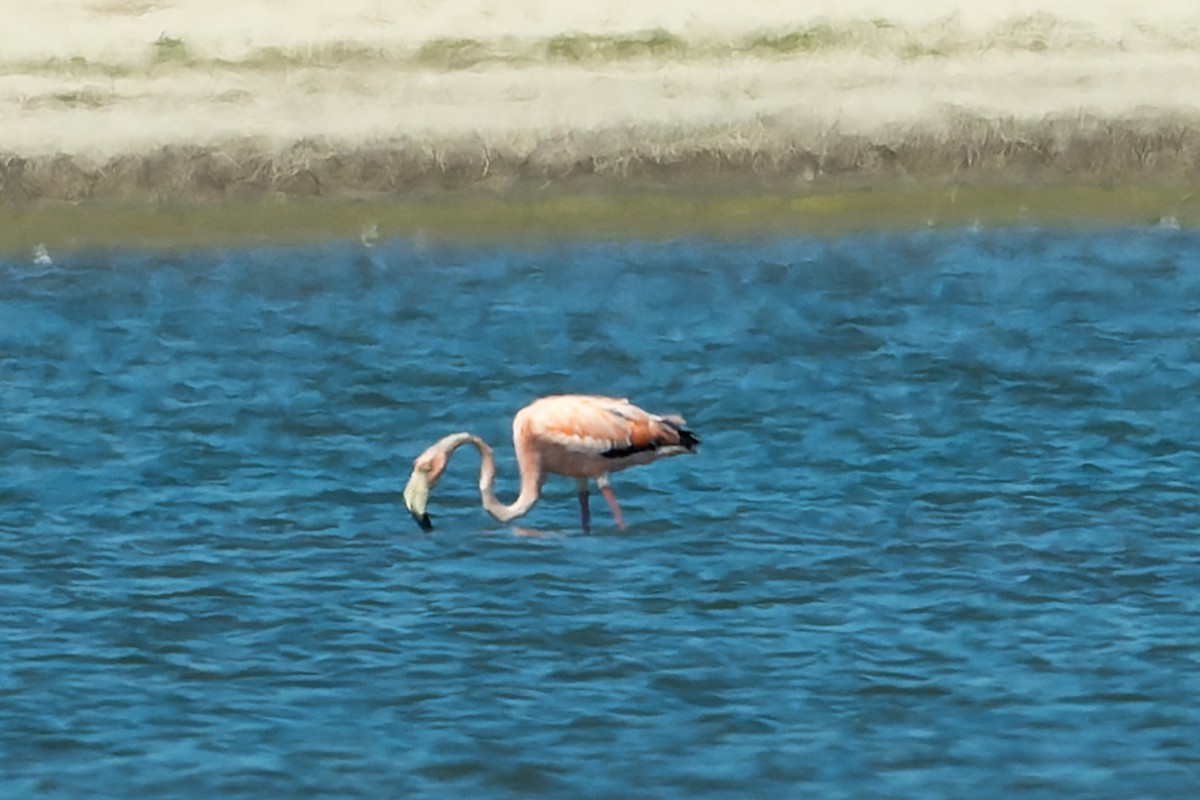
[57, 229]
[1092, 150]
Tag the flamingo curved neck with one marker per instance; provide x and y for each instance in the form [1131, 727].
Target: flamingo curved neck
[531, 480]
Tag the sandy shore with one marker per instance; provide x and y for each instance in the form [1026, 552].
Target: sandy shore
[134, 100]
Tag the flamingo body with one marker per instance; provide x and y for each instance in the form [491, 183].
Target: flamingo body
[585, 437]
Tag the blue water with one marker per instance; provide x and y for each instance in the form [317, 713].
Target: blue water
[939, 541]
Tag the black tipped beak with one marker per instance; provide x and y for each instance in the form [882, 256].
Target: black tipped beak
[416, 493]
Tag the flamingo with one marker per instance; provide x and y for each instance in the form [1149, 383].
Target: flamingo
[580, 436]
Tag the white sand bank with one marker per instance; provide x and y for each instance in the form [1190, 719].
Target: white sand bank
[614, 82]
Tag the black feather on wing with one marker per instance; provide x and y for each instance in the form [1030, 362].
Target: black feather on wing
[687, 440]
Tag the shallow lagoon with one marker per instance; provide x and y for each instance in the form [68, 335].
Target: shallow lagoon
[939, 538]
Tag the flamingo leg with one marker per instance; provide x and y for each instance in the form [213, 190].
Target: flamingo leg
[606, 490]
[585, 516]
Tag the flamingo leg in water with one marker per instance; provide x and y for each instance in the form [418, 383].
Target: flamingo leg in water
[585, 517]
[606, 490]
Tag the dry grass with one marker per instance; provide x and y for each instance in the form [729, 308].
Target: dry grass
[761, 156]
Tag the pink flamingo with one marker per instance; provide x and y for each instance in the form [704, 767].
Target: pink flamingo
[580, 436]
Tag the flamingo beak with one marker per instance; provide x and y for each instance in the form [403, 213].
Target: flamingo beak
[416, 495]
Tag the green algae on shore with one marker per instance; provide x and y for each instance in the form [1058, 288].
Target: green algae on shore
[477, 218]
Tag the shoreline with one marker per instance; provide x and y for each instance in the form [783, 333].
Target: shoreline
[476, 218]
[125, 110]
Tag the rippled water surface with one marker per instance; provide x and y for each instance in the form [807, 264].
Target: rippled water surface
[940, 538]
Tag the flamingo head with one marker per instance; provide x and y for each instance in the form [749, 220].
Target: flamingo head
[427, 468]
